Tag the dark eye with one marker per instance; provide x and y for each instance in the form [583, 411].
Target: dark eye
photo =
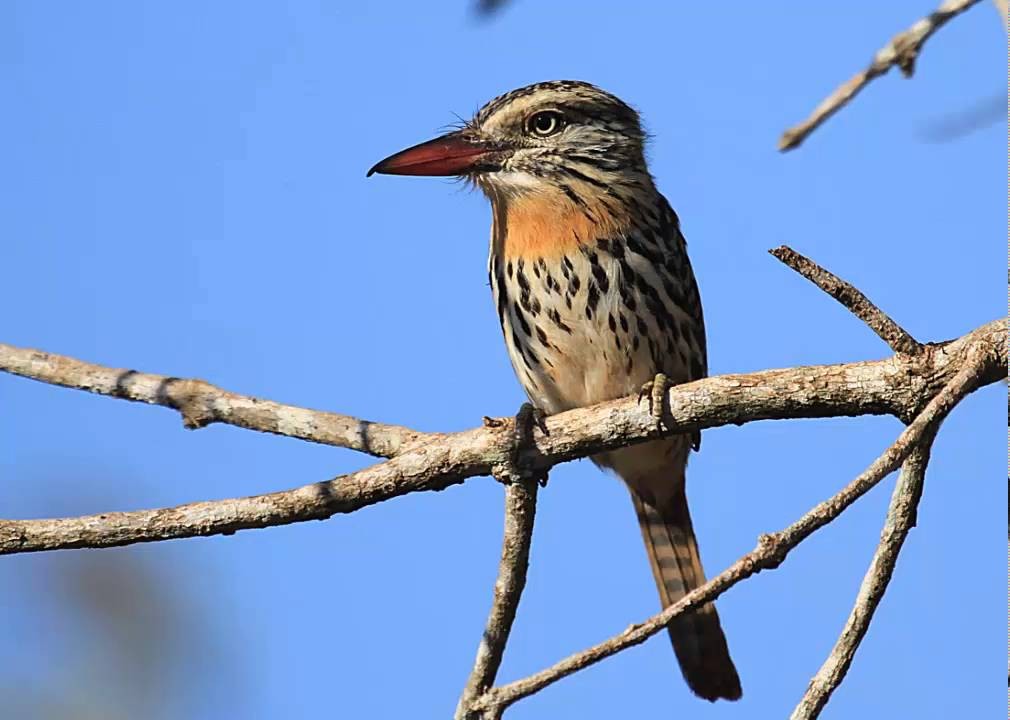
[543, 124]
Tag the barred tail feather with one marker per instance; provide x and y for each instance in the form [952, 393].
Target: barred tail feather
[697, 636]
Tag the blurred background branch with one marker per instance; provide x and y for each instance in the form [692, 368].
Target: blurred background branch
[902, 51]
[1001, 7]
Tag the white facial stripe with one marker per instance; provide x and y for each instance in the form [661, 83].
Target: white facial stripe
[516, 181]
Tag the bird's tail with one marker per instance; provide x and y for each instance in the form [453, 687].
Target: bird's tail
[697, 636]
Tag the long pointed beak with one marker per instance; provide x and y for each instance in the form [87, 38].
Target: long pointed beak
[457, 153]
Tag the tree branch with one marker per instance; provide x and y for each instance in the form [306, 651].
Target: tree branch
[771, 549]
[897, 386]
[902, 50]
[901, 516]
[858, 304]
[520, 510]
[920, 381]
[202, 404]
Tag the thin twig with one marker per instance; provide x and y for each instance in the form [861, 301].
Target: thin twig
[520, 510]
[202, 404]
[858, 304]
[902, 50]
[893, 386]
[771, 549]
[901, 517]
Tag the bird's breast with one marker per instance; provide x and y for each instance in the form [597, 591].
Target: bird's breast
[585, 317]
[553, 316]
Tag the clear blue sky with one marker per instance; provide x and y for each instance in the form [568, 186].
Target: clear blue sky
[182, 190]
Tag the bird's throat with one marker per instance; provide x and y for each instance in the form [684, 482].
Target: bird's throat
[550, 224]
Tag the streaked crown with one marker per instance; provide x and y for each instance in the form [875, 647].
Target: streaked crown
[558, 130]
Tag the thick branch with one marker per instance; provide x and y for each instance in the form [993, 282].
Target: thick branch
[771, 549]
[520, 509]
[901, 516]
[902, 50]
[202, 404]
[858, 304]
[898, 386]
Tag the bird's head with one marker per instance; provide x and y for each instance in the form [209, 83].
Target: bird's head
[558, 136]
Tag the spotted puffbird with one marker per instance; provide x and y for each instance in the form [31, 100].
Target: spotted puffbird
[597, 299]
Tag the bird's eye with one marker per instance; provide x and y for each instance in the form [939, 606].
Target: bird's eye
[543, 124]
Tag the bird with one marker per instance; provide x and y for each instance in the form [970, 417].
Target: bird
[597, 300]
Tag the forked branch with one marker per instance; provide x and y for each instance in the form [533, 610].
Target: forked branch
[771, 549]
[901, 516]
[894, 386]
[920, 382]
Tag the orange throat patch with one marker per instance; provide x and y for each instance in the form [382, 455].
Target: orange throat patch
[550, 225]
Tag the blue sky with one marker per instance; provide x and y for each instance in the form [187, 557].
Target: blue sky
[183, 191]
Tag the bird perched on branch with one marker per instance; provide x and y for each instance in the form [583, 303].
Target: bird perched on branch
[597, 301]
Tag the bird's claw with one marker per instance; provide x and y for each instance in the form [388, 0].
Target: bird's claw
[528, 417]
[655, 391]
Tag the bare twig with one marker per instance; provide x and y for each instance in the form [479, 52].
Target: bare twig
[901, 516]
[858, 304]
[202, 404]
[771, 549]
[895, 386]
[902, 50]
[520, 509]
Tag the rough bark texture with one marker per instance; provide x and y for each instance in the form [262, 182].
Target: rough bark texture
[771, 549]
[202, 404]
[897, 386]
[520, 509]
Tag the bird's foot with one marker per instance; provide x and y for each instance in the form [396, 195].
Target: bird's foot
[655, 391]
[518, 464]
